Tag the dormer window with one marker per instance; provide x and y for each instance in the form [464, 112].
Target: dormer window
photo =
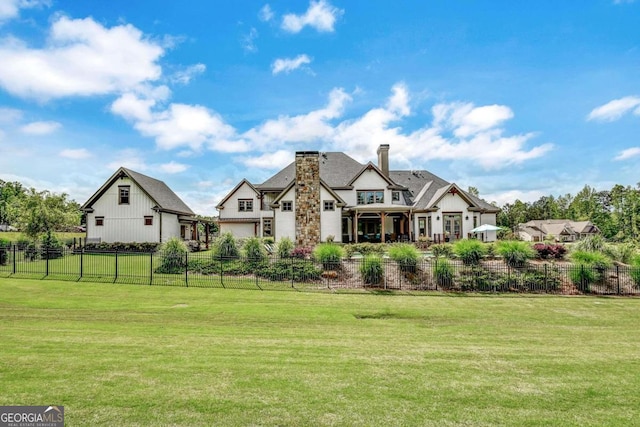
[395, 196]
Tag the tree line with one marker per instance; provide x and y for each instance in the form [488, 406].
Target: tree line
[37, 213]
[616, 212]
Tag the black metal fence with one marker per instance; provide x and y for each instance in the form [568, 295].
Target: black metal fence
[201, 269]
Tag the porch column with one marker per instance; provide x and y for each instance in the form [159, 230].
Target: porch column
[355, 226]
[382, 218]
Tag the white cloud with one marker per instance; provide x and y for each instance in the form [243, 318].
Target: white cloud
[249, 41]
[76, 154]
[511, 196]
[81, 58]
[40, 128]
[289, 64]
[615, 109]
[266, 14]
[10, 9]
[173, 167]
[128, 158]
[313, 126]
[465, 119]
[276, 160]
[628, 153]
[132, 107]
[10, 115]
[321, 15]
[186, 75]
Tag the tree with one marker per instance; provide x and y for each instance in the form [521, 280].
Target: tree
[42, 213]
[473, 191]
[11, 193]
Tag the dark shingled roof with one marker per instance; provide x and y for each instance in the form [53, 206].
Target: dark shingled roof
[157, 190]
[336, 170]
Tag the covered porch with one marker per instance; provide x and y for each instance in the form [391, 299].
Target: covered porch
[377, 226]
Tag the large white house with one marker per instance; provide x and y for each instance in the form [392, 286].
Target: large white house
[330, 195]
[132, 207]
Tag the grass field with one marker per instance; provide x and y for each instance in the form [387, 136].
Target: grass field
[138, 355]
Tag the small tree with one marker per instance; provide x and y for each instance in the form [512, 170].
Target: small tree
[226, 247]
[285, 247]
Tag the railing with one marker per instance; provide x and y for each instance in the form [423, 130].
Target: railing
[201, 269]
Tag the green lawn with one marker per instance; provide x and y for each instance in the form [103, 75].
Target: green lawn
[116, 354]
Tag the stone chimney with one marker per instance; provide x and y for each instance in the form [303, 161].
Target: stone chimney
[383, 159]
[307, 198]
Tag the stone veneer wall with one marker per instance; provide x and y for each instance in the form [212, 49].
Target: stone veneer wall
[307, 198]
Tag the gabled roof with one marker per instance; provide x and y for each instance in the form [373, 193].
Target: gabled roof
[164, 198]
[236, 188]
[557, 227]
[371, 166]
[336, 170]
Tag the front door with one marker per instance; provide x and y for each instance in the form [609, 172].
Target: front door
[452, 226]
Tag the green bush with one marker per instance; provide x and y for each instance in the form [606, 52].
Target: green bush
[589, 268]
[174, 253]
[298, 270]
[490, 250]
[226, 247]
[443, 272]
[254, 250]
[329, 255]
[469, 251]
[371, 269]
[515, 253]
[285, 247]
[406, 255]
[4, 249]
[621, 252]
[51, 247]
[365, 248]
[595, 243]
[442, 250]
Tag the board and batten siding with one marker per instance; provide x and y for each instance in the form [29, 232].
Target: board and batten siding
[125, 223]
[231, 204]
[285, 222]
[330, 221]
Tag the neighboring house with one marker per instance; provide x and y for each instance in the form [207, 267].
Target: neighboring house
[330, 195]
[132, 207]
[560, 230]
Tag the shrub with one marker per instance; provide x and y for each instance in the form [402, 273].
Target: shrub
[365, 248]
[254, 250]
[4, 248]
[295, 269]
[443, 272]
[51, 247]
[226, 247]
[589, 268]
[406, 255]
[622, 252]
[329, 255]
[549, 251]
[285, 247]
[371, 269]
[490, 249]
[442, 250]
[515, 253]
[174, 255]
[635, 270]
[469, 251]
[301, 253]
[22, 243]
[595, 243]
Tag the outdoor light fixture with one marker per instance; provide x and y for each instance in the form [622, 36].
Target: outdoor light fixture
[466, 218]
[438, 218]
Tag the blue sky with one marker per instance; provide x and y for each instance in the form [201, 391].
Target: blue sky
[518, 99]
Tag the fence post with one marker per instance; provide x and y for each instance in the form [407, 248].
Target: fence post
[116, 272]
[186, 269]
[221, 280]
[618, 277]
[81, 263]
[546, 283]
[435, 273]
[292, 272]
[151, 269]
[14, 259]
[582, 278]
[46, 254]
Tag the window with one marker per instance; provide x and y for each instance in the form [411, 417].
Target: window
[267, 227]
[148, 220]
[370, 197]
[475, 221]
[429, 233]
[395, 196]
[245, 205]
[287, 206]
[99, 221]
[421, 226]
[123, 194]
[329, 205]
